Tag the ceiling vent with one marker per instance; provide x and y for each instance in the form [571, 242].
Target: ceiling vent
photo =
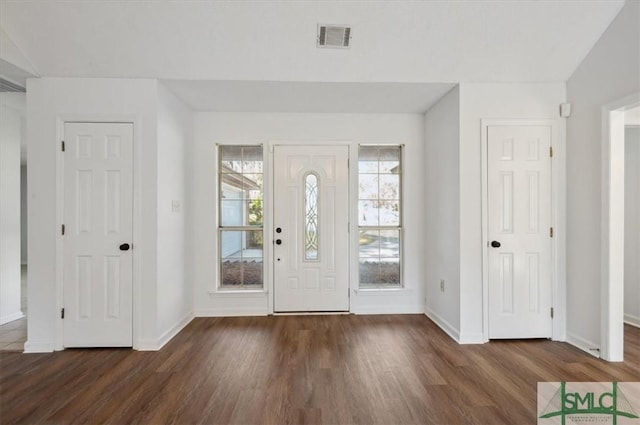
[7, 86]
[334, 36]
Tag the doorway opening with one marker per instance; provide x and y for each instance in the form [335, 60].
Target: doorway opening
[13, 212]
[613, 226]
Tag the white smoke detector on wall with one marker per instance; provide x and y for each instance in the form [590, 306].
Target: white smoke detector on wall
[334, 36]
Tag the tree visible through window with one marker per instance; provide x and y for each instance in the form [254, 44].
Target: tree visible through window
[379, 212]
[240, 221]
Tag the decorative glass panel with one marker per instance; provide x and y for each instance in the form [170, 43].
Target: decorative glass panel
[311, 217]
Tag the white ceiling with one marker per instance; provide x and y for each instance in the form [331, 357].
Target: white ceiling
[393, 41]
[262, 96]
[250, 56]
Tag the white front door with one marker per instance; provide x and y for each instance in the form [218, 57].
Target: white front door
[311, 220]
[519, 223]
[98, 215]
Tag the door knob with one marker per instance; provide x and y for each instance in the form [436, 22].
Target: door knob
[278, 241]
[125, 247]
[278, 230]
[495, 244]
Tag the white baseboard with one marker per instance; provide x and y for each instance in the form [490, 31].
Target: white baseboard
[39, 347]
[11, 317]
[632, 320]
[388, 309]
[147, 345]
[472, 338]
[447, 327]
[155, 345]
[231, 312]
[175, 330]
[586, 346]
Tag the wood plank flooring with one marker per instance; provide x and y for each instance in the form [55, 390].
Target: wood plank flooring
[300, 370]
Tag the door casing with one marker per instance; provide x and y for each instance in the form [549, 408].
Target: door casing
[558, 217]
[612, 231]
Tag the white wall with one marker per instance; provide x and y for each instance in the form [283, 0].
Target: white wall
[23, 213]
[175, 294]
[49, 102]
[442, 212]
[632, 226]
[10, 136]
[609, 72]
[253, 128]
[491, 101]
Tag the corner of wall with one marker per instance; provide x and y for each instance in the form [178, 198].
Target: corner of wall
[443, 324]
[39, 347]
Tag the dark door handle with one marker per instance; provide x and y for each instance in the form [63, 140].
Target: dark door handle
[278, 230]
[495, 244]
[125, 247]
[278, 241]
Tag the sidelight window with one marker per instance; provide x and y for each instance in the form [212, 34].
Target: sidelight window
[240, 217]
[380, 216]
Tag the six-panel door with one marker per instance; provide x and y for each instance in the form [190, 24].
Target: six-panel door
[519, 222]
[98, 215]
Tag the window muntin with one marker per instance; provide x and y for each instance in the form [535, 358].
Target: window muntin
[379, 216]
[240, 223]
[311, 220]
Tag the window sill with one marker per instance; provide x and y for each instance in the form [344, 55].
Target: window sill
[381, 291]
[235, 293]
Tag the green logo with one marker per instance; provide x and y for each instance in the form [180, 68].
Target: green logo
[586, 402]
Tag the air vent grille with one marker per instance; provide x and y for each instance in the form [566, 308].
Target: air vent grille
[7, 86]
[334, 36]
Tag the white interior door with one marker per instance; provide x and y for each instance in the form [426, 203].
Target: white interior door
[519, 224]
[311, 220]
[98, 215]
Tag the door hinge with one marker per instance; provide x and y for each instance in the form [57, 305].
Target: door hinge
[63, 146]
[550, 232]
[62, 313]
[551, 151]
[552, 312]
[63, 228]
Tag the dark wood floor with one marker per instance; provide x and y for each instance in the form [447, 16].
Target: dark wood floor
[300, 369]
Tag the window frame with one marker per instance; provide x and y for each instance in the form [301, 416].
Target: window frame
[220, 228]
[400, 227]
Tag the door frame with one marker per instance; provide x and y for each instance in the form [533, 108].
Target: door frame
[558, 220]
[612, 228]
[269, 205]
[134, 120]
